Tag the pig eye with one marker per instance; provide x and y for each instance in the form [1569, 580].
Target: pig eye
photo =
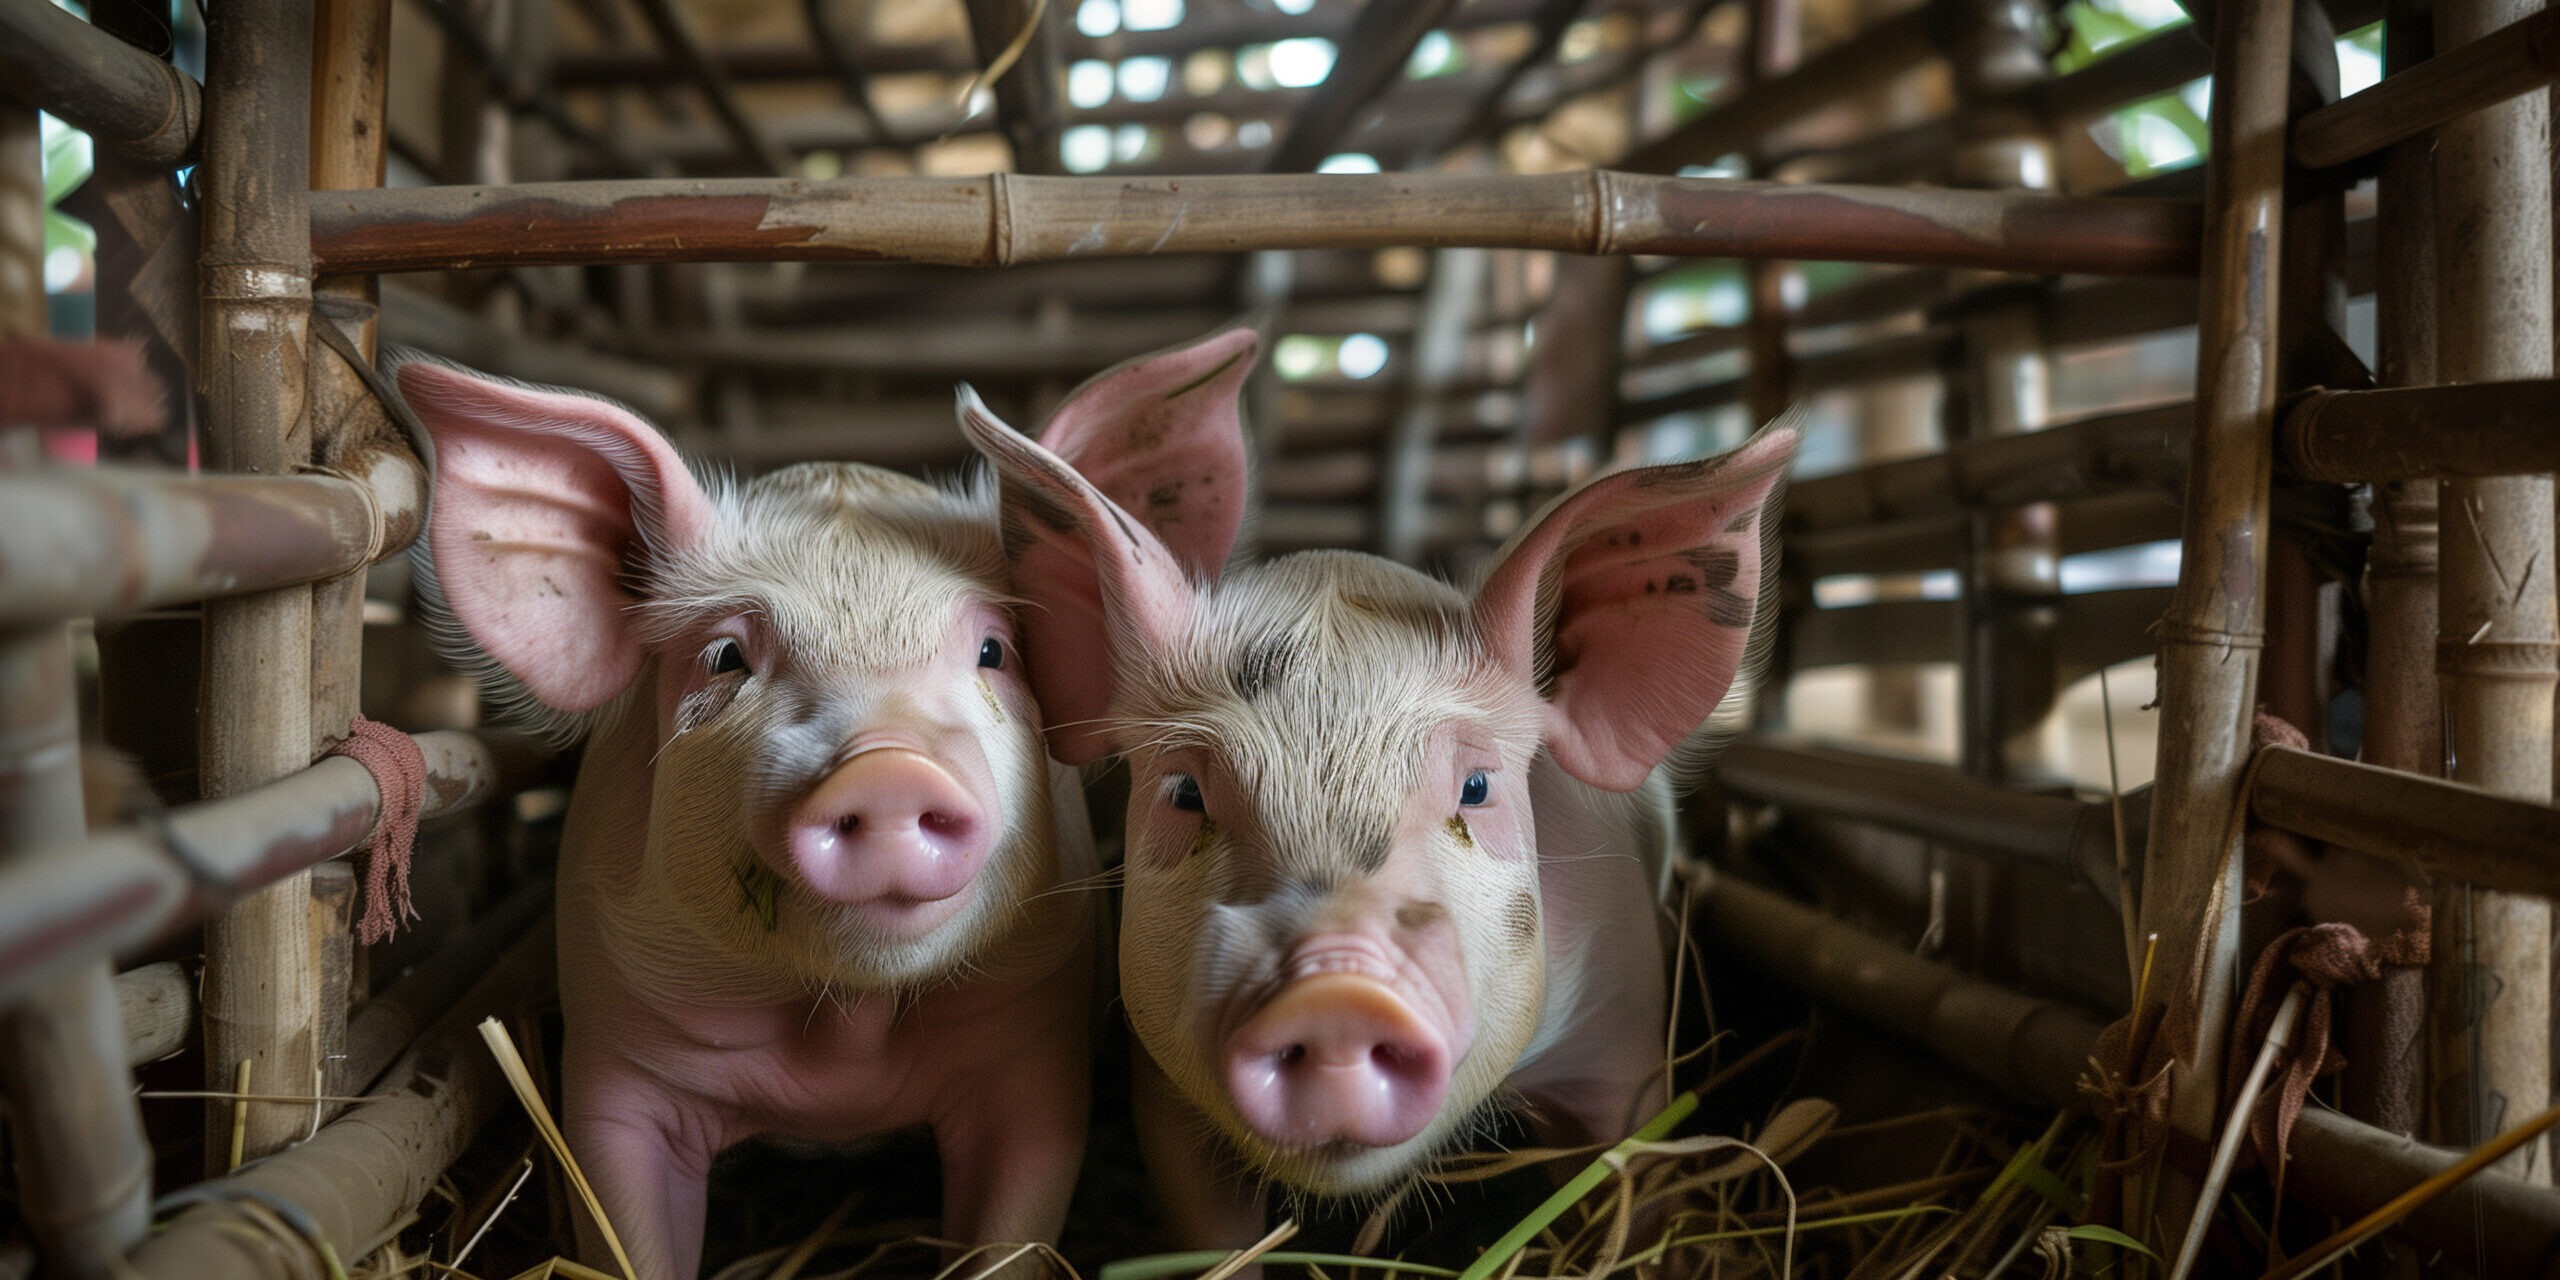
[991, 652]
[726, 656]
[1185, 794]
[1477, 790]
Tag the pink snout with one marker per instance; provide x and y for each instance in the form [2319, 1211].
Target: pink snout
[1337, 1057]
[890, 833]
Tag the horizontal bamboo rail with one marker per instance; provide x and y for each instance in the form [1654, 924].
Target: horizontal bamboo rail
[376, 1162]
[2141, 450]
[2518, 58]
[139, 108]
[1938, 542]
[2091, 630]
[2032, 1048]
[159, 1006]
[1004, 219]
[383, 1028]
[122, 889]
[1932, 801]
[82, 543]
[2480, 837]
[2039, 1049]
[1871, 57]
[2418, 433]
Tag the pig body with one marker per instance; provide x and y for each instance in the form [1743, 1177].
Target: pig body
[1394, 849]
[815, 877]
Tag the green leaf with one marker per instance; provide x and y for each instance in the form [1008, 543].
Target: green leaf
[2109, 1235]
[64, 231]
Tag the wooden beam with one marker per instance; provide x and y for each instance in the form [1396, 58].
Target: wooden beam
[1373, 56]
[676, 36]
[1005, 219]
[1027, 96]
[2520, 57]
[1747, 121]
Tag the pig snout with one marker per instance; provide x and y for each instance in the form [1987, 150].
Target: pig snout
[893, 835]
[1339, 1055]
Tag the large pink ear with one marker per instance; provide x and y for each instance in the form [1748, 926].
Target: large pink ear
[1096, 580]
[1162, 436]
[1634, 598]
[543, 499]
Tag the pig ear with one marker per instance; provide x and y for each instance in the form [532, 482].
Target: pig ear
[1633, 602]
[1163, 437]
[1097, 581]
[542, 500]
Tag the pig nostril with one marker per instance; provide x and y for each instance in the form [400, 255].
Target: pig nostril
[849, 824]
[945, 824]
[1293, 1055]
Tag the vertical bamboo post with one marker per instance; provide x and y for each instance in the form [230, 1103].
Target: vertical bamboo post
[260, 987]
[2215, 623]
[1769, 377]
[350, 76]
[2014, 573]
[84, 1172]
[2403, 728]
[1439, 353]
[2495, 632]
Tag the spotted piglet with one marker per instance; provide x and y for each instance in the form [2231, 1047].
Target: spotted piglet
[1394, 849]
[818, 878]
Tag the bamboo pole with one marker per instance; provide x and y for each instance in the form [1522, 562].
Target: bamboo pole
[1931, 801]
[2209, 642]
[83, 1168]
[2517, 58]
[2037, 1048]
[1880, 52]
[2403, 726]
[2496, 628]
[2140, 450]
[255, 275]
[2013, 575]
[117, 891]
[2479, 837]
[84, 1171]
[368, 1167]
[1448, 312]
[1005, 219]
[1027, 95]
[1374, 54]
[133, 105]
[682, 44]
[389, 1023]
[350, 78]
[157, 1004]
[113, 541]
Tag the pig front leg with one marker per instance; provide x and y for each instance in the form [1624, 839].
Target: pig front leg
[647, 1152]
[1208, 1201]
[1011, 1151]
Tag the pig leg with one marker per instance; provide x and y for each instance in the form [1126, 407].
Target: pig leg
[1208, 1202]
[648, 1154]
[1011, 1151]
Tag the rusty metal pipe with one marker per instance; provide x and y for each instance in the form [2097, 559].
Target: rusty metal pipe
[81, 543]
[120, 890]
[142, 110]
[2517, 58]
[1007, 219]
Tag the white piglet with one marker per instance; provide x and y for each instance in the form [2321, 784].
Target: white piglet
[810, 881]
[1393, 849]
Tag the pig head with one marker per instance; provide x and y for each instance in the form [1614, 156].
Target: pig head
[809, 883]
[1392, 847]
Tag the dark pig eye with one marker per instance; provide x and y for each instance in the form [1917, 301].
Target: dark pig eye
[1185, 794]
[727, 656]
[1477, 790]
[991, 652]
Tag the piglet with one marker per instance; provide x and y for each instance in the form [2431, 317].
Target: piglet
[818, 878]
[1394, 849]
